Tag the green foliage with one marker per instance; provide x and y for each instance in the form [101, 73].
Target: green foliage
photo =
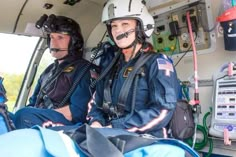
[12, 84]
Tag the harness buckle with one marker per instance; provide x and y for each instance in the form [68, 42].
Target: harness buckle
[47, 102]
[112, 110]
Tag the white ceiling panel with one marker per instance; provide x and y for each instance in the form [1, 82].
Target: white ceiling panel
[86, 12]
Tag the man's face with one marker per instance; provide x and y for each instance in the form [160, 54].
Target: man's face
[59, 41]
[119, 27]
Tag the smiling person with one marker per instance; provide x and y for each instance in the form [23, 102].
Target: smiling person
[139, 93]
[50, 105]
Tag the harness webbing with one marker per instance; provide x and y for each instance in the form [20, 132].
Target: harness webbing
[128, 82]
[118, 110]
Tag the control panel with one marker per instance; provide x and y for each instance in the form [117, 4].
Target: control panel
[224, 111]
[171, 34]
[225, 102]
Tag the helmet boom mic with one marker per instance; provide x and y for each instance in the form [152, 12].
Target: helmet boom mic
[58, 49]
[126, 34]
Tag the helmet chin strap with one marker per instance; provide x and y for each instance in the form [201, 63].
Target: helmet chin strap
[131, 45]
[134, 43]
[134, 47]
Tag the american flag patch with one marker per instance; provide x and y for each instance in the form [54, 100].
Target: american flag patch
[165, 65]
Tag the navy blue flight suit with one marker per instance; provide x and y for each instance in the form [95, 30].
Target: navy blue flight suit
[39, 113]
[156, 90]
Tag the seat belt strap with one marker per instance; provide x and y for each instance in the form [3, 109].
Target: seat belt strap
[128, 82]
[104, 73]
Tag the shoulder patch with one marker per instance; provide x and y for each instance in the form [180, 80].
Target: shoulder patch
[165, 65]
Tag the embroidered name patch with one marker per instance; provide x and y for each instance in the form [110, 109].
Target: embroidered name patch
[69, 69]
[127, 71]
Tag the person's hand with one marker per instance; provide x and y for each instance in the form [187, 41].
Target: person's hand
[96, 124]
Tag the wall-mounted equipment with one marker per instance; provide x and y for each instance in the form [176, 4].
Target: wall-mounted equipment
[228, 22]
[171, 34]
[224, 103]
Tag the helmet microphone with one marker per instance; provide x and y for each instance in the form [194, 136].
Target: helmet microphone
[57, 49]
[124, 35]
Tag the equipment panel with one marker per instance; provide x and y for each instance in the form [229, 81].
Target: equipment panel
[171, 34]
[224, 107]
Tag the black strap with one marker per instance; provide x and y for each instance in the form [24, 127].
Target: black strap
[128, 82]
[107, 103]
[134, 96]
[134, 142]
[103, 74]
[107, 91]
[93, 143]
[100, 144]
[131, 142]
[6, 117]
[82, 74]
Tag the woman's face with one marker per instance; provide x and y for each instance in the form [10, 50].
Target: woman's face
[119, 27]
[59, 41]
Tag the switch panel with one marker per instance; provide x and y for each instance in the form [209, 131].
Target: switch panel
[171, 35]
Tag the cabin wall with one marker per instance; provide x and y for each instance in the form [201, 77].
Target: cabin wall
[208, 64]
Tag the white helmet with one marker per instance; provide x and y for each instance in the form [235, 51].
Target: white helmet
[118, 9]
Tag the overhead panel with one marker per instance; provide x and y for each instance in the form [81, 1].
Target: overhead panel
[87, 13]
[8, 13]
